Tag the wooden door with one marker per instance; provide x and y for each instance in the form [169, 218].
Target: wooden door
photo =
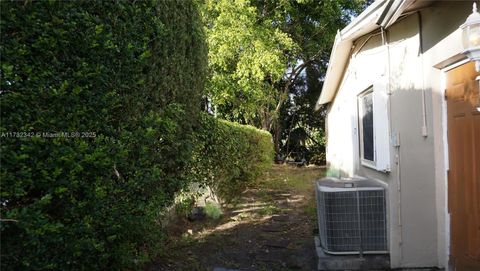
[464, 174]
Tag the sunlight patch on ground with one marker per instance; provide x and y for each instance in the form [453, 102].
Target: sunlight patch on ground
[251, 209]
[251, 204]
[296, 199]
[230, 225]
[284, 194]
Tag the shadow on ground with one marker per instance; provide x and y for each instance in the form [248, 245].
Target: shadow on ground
[270, 228]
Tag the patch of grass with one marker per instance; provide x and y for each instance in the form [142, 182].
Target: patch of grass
[184, 206]
[242, 216]
[231, 264]
[282, 190]
[269, 210]
[288, 179]
[285, 177]
[265, 196]
[213, 211]
[311, 209]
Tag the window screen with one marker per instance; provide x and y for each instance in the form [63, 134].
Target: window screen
[374, 127]
[366, 126]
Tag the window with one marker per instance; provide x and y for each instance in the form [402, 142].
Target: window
[367, 144]
[374, 126]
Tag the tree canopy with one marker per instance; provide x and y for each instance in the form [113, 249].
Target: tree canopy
[246, 58]
[259, 49]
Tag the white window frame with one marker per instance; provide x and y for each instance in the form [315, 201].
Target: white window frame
[381, 126]
[365, 162]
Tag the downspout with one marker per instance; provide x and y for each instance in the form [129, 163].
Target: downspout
[396, 144]
[424, 109]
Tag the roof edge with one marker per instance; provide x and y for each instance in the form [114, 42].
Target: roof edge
[369, 20]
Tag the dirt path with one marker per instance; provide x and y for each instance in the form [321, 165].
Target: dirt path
[270, 228]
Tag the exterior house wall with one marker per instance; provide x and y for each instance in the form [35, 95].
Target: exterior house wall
[415, 189]
[405, 54]
[438, 47]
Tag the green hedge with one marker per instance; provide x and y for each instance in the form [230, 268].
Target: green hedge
[230, 156]
[124, 83]
[100, 129]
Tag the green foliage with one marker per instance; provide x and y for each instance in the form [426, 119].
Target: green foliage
[257, 48]
[184, 205]
[269, 209]
[231, 156]
[213, 210]
[125, 82]
[246, 57]
[260, 50]
[303, 134]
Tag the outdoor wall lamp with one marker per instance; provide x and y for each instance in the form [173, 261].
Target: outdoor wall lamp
[471, 41]
[471, 37]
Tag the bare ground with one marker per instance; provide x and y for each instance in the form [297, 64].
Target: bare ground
[269, 228]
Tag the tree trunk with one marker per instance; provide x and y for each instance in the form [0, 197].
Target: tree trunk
[265, 121]
[277, 135]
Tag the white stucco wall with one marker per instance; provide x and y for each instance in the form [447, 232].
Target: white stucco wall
[439, 47]
[417, 186]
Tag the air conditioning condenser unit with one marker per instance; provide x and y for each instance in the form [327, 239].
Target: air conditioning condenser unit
[351, 216]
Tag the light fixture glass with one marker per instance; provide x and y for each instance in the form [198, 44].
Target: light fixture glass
[471, 42]
[471, 36]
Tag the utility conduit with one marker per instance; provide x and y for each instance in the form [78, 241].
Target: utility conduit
[396, 144]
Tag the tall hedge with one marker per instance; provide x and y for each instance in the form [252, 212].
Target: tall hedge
[230, 156]
[99, 101]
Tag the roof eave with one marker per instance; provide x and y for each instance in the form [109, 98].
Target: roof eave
[365, 23]
[334, 72]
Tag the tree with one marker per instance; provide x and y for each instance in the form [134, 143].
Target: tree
[246, 58]
[302, 134]
[258, 50]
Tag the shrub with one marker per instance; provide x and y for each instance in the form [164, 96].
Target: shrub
[231, 156]
[100, 129]
[124, 82]
[213, 210]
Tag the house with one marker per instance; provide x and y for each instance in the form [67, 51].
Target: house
[402, 105]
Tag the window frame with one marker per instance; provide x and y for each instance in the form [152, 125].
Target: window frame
[360, 96]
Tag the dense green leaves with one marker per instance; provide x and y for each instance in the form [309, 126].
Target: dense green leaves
[231, 156]
[260, 49]
[101, 129]
[99, 102]
[246, 57]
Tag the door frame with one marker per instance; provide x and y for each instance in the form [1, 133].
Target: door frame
[446, 156]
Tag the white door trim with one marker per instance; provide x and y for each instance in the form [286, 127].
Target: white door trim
[446, 161]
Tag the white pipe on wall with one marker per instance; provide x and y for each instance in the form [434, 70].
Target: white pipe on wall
[386, 43]
[424, 109]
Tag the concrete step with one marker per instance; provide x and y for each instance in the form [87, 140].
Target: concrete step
[350, 262]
